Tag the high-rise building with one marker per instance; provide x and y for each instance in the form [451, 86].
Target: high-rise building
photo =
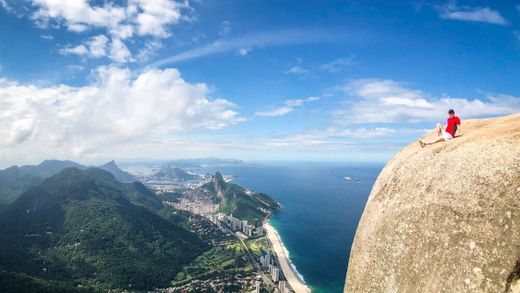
[265, 260]
[257, 286]
[282, 286]
[275, 273]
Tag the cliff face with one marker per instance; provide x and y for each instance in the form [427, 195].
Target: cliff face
[445, 218]
[219, 184]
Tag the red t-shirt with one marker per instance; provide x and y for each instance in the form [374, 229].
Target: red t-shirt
[450, 128]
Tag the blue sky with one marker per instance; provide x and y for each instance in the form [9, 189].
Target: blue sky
[255, 80]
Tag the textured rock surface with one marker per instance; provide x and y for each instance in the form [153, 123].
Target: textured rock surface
[445, 218]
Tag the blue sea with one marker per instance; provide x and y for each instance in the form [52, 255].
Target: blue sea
[321, 211]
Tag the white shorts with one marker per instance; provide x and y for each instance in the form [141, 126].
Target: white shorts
[446, 135]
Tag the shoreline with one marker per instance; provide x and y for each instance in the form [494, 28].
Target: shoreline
[290, 273]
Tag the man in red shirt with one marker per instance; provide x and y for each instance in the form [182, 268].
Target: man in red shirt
[449, 132]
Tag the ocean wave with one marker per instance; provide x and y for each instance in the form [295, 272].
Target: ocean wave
[286, 251]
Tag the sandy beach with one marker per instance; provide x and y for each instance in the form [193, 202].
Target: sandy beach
[292, 278]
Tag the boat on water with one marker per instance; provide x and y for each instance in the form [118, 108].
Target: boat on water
[357, 180]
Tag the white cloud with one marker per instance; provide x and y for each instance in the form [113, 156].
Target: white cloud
[297, 69]
[137, 16]
[338, 64]
[252, 41]
[473, 14]
[225, 28]
[333, 66]
[150, 19]
[275, 112]
[117, 110]
[119, 52]
[149, 49]
[95, 47]
[79, 50]
[78, 15]
[21, 130]
[331, 137]
[153, 17]
[243, 52]
[100, 46]
[388, 101]
[47, 37]
[288, 107]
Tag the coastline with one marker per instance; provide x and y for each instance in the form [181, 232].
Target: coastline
[288, 270]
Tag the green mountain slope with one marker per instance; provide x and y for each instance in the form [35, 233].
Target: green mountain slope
[240, 202]
[85, 227]
[16, 180]
[48, 168]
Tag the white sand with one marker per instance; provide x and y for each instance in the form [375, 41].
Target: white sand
[292, 278]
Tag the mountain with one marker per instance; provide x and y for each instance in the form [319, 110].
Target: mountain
[240, 202]
[444, 218]
[120, 175]
[85, 228]
[167, 172]
[219, 185]
[48, 168]
[16, 180]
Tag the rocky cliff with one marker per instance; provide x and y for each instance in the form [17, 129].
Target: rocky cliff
[445, 218]
[219, 185]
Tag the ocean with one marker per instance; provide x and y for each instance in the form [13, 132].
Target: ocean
[321, 211]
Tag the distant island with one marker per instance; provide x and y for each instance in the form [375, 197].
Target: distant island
[69, 227]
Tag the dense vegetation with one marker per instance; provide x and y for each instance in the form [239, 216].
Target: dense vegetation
[16, 180]
[247, 205]
[85, 228]
[227, 259]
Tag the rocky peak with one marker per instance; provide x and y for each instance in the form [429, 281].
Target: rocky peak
[445, 218]
[219, 184]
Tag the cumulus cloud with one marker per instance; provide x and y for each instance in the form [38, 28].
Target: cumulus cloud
[288, 107]
[388, 101]
[119, 52]
[472, 14]
[150, 19]
[95, 47]
[118, 109]
[136, 17]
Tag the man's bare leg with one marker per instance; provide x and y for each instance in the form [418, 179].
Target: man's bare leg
[439, 129]
[432, 142]
[439, 135]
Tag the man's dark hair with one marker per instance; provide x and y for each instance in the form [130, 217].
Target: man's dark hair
[451, 111]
